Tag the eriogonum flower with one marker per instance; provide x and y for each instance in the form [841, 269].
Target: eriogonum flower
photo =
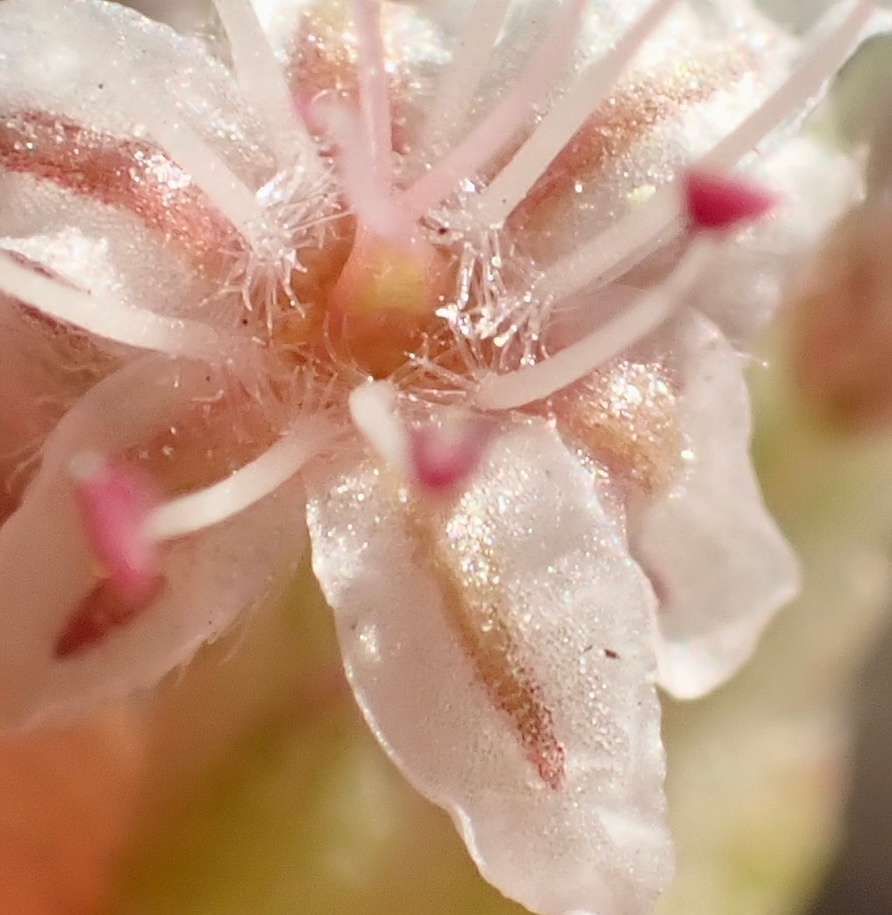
[458, 304]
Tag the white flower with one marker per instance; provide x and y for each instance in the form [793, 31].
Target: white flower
[443, 291]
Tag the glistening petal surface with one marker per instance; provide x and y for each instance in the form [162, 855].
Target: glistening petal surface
[499, 648]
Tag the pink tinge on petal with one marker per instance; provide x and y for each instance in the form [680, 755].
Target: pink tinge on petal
[442, 457]
[115, 502]
[123, 173]
[715, 201]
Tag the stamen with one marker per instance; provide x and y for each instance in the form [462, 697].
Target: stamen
[136, 327]
[641, 231]
[148, 103]
[374, 94]
[609, 254]
[114, 503]
[263, 80]
[716, 202]
[373, 411]
[653, 308]
[793, 96]
[460, 79]
[375, 209]
[470, 156]
[561, 124]
[437, 458]
[443, 457]
[238, 492]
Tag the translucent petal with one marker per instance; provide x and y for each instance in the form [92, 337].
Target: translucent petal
[76, 167]
[47, 569]
[107, 250]
[719, 564]
[43, 371]
[500, 649]
[47, 65]
[695, 81]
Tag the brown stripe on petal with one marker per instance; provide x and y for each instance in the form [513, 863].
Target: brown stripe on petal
[123, 173]
[468, 575]
[622, 121]
[625, 416]
[100, 613]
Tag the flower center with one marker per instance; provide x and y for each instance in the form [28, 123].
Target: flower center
[365, 302]
[384, 300]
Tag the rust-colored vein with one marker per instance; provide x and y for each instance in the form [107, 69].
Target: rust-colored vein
[479, 616]
[626, 416]
[126, 174]
[615, 127]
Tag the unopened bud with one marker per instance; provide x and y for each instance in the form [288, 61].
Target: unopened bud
[842, 314]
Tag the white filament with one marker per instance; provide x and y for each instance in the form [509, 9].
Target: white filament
[611, 252]
[263, 80]
[238, 492]
[805, 83]
[640, 232]
[373, 411]
[374, 92]
[228, 193]
[497, 128]
[653, 308]
[104, 318]
[374, 207]
[460, 79]
[559, 126]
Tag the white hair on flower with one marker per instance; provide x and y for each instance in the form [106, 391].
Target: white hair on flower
[454, 303]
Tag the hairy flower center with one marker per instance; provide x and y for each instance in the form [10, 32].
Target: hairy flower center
[368, 302]
[356, 283]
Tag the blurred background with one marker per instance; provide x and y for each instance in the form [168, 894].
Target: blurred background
[250, 784]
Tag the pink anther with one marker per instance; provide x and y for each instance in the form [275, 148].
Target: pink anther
[114, 502]
[442, 457]
[715, 201]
